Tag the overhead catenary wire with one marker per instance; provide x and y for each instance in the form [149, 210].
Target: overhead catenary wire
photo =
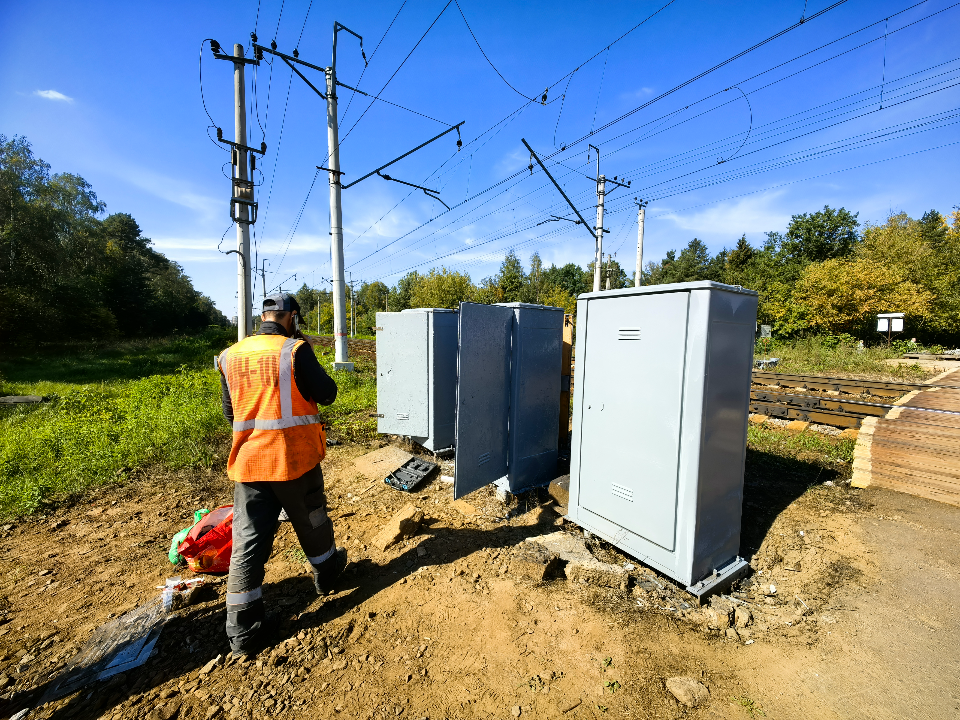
[372, 55]
[776, 66]
[487, 57]
[662, 95]
[617, 211]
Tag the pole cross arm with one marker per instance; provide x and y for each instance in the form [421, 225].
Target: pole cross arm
[411, 152]
[289, 58]
[572, 206]
[240, 146]
[304, 78]
[235, 59]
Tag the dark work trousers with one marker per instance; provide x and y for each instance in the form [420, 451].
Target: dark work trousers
[256, 508]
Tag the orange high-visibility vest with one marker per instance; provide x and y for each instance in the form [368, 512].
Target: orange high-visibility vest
[277, 434]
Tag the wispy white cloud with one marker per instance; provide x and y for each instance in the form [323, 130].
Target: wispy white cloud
[53, 95]
[746, 215]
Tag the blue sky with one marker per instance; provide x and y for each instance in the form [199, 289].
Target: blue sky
[111, 91]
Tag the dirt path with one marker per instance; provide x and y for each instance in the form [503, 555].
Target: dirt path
[441, 627]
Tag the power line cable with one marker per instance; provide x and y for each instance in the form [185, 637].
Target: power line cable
[703, 74]
[390, 79]
[662, 95]
[487, 58]
[668, 214]
[277, 30]
[303, 27]
[596, 105]
[372, 55]
[276, 157]
[203, 99]
[293, 230]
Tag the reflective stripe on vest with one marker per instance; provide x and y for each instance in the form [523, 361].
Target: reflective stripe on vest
[287, 418]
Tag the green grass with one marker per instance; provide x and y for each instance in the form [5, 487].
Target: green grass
[126, 406]
[807, 446]
[833, 356]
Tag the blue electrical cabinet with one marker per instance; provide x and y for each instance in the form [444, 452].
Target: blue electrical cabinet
[508, 395]
[661, 400]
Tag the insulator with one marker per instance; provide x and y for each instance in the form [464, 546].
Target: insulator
[253, 36]
[215, 46]
[273, 44]
[296, 53]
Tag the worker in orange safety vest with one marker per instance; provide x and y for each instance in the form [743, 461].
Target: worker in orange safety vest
[271, 386]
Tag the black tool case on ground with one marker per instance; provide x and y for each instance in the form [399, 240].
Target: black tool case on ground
[409, 475]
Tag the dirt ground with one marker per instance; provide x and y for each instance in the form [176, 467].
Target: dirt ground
[862, 622]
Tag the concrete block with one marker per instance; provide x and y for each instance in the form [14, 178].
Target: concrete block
[850, 434]
[797, 426]
[758, 419]
[560, 490]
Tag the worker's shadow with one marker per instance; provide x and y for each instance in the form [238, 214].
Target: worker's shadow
[196, 636]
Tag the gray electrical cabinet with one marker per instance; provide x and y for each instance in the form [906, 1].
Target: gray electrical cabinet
[661, 399]
[508, 395]
[417, 375]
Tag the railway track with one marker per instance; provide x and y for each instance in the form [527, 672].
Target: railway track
[880, 388]
[829, 410]
[366, 349]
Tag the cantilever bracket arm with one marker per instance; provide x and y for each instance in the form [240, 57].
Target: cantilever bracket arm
[572, 206]
[432, 194]
[418, 147]
[304, 78]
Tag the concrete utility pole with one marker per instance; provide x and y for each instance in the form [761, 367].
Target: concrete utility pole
[598, 256]
[340, 354]
[353, 308]
[609, 269]
[638, 280]
[243, 188]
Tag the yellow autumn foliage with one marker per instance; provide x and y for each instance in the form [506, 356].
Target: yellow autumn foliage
[840, 295]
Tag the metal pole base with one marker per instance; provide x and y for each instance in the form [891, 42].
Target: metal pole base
[348, 366]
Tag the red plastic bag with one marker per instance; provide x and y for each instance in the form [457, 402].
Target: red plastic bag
[209, 543]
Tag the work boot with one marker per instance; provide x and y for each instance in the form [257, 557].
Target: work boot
[326, 573]
[265, 637]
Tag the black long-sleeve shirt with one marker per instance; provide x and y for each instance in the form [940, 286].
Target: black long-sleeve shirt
[312, 380]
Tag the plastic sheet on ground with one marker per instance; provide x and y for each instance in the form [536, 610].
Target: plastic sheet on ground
[122, 644]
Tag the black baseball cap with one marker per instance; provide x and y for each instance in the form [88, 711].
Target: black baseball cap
[281, 302]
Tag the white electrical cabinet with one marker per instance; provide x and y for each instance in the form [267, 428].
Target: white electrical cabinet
[417, 375]
[661, 399]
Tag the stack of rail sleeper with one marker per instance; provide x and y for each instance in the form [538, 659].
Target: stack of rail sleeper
[913, 450]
